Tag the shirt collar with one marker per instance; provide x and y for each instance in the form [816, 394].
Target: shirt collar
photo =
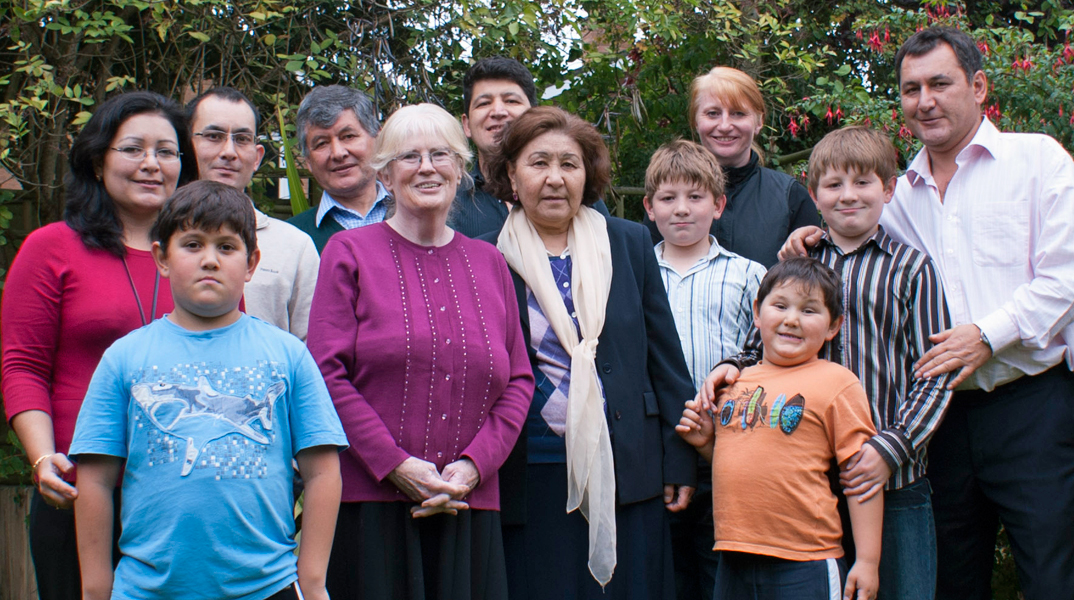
[986, 140]
[880, 239]
[715, 251]
[328, 203]
[262, 218]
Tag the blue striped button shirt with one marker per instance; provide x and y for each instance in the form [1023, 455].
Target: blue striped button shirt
[713, 305]
[893, 302]
[352, 219]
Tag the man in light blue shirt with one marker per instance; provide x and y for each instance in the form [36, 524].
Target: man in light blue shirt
[337, 128]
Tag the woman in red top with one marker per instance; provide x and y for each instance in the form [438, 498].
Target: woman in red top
[77, 286]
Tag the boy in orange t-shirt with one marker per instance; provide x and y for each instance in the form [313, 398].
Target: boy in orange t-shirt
[773, 435]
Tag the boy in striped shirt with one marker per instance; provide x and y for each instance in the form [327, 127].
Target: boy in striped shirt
[711, 292]
[894, 302]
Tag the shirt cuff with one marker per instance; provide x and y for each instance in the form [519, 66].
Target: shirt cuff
[893, 447]
[1000, 329]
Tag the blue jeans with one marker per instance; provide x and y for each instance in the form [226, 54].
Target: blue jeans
[743, 576]
[908, 555]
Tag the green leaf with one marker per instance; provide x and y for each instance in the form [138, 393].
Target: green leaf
[294, 182]
[294, 66]
[201, 37]
[843, 71]
[513, 28]
[81, 118]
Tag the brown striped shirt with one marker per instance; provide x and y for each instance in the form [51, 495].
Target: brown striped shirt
[893, 302]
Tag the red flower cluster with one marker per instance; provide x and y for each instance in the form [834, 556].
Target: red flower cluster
[875, 44]
[941, 12]
[1025, 65]
[794, 128]
[904, 133]
[836, 116]
[983, 47]
[993, 113]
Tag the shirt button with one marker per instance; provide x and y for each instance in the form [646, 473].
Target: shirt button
[566, 284]
[574, 315]
[447, 377]
[437, 280]
[440, 455]
[443, 308]
[447, 341]
[443, 417]
[607, 368]
[430, 251]
[618, 415]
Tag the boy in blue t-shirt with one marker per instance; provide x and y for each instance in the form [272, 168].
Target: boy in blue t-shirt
[711, 292]
[202, 412]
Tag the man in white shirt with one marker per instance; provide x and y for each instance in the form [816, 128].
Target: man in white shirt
[224, 124]
[995, 211]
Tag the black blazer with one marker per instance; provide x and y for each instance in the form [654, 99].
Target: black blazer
[644, 374]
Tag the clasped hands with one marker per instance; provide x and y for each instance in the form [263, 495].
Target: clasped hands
[435, 491]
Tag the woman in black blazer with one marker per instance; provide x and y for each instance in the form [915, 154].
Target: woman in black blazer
[598, 465]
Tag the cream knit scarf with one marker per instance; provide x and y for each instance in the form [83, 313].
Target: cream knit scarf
[590, 469]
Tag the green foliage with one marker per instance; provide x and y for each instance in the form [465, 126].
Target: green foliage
[1030, 72]
[13, 466]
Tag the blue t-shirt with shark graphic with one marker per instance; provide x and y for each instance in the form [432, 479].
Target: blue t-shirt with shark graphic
[208, 423]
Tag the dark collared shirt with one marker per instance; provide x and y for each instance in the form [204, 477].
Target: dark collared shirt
[476, 212]
[892, 303]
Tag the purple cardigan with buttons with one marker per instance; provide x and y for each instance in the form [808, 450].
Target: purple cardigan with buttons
[423, 355]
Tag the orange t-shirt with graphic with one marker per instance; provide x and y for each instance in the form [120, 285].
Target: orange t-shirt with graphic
[777, 430]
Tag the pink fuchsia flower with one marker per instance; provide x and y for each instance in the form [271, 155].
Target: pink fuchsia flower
[828, 116]
[793, 127]
[874, 42]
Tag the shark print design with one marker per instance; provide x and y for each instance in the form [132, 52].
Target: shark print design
[200, 414]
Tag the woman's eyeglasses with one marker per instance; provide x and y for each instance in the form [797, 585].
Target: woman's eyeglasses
[439, 158]
[137, 153]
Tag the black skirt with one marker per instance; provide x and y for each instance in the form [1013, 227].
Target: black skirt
[547, 557]
[380, 552]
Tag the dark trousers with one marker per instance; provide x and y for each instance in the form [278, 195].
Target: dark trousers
[1006, 456]
[55, 551]
[692, 535]
[756, 577]
[287, 593]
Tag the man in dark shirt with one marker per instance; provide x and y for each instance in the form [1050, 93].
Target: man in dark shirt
[337, 127]
[495, 91]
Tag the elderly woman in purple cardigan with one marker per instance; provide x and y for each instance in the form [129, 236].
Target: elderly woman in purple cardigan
[416, 331]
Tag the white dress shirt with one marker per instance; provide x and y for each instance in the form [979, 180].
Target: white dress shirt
[1002, 240]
